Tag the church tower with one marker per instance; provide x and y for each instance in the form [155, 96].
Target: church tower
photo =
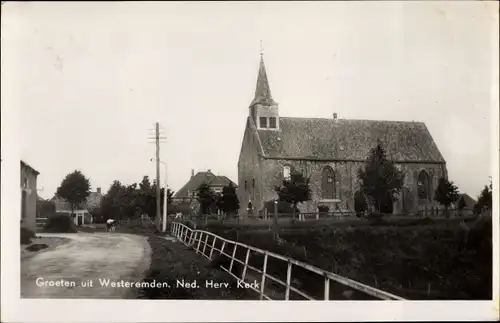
[263, 109]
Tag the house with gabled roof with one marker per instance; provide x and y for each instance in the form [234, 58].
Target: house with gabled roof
[216, 183]
[469, 201]
[329, 151]
[83, 213]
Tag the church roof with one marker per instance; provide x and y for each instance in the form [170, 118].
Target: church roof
[262, 90]
[349, 140]
[200, 178]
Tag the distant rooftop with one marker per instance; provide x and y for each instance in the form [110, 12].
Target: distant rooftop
[203, 177]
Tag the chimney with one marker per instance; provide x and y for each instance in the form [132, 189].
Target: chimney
[192, 173]
[209, 171]
[335, 116]
[98, 190]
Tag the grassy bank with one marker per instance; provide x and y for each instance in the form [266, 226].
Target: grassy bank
[415, 259]
[172, 262]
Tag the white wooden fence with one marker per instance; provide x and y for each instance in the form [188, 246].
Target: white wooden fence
[205, 242]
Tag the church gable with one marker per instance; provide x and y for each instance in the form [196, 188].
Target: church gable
[251, 142]
[329, 139]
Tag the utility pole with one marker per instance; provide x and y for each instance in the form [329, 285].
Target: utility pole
[165, 203]
[158, 137]
[158, 188]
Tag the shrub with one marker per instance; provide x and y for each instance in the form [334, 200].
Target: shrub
[60, 224]
[179, 208]
[26, 235]
[322, 209]
[360, 204]
[283, 207]
[376, 218]
[423, 221]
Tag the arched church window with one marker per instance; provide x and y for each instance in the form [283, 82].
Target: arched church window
[286, 172]
[423, 188]
[246, 188]
[329, 184]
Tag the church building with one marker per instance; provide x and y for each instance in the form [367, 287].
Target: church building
[329, 151]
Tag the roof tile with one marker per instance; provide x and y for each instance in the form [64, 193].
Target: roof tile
[349, 139]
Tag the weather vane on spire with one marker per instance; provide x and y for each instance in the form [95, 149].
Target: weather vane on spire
[261, 49]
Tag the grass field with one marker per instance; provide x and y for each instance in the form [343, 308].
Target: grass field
[416, 259]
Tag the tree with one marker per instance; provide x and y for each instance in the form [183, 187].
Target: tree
[294, 190]
[97, 214]
[111, 202]
[205, 198]
[446, 193]
[75, 188]
[360, 205]
[218, 203]
[484, 200]
[146, 196]
[461, 204]
[380, 180]
[170, 196]
[129, 197]
[230, 203]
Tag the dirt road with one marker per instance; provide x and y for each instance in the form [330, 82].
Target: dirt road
[94, 257]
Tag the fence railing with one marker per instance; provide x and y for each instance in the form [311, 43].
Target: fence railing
[337, 215]
[207, 243]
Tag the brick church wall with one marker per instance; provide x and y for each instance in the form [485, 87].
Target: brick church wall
[249, 170]
[270, 173]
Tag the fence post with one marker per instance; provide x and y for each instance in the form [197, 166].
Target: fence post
[327, 287]
[263, 280]
[232, 259]
[194, 238]
[288, 280]
[246, 264]
[275, 221]
[213, 246]
[222, 248]
[191, 238]
[199, 242]
[205, 244]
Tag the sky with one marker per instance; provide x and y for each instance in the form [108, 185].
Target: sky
[89, 80]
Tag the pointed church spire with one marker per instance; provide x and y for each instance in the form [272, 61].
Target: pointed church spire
[262, 90]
